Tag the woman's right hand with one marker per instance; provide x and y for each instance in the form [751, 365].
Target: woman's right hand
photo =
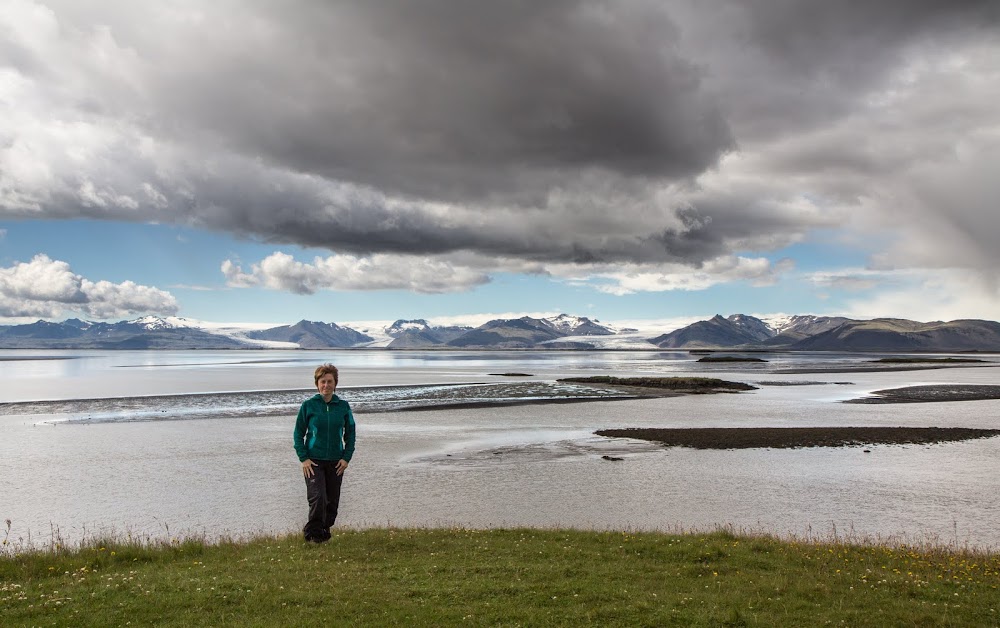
[307, 467]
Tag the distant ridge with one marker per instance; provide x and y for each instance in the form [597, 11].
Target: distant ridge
[518, 333]
[800, 327]
[313, 335]
[735, 332]
[716, 332]
[577, 326]
[144, 333]
[527, 332]
[890, 334]
[820, 333]
[418, 334]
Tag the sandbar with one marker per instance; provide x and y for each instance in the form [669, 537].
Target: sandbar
[931, 393]
[880, 369]
[797, 437]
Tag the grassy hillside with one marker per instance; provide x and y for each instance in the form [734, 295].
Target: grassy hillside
[386, 577]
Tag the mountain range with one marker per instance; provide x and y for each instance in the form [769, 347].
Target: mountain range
[823, 333]
[735, 332]
[144, 333]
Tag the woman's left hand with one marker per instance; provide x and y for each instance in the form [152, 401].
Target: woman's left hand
[341, 466]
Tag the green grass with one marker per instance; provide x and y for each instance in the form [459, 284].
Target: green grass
[514, 577]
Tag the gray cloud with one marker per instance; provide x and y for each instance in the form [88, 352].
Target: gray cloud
[566, 132]
[458, 101]
[783, 66]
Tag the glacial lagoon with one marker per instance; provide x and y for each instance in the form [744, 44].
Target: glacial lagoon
[161, 444]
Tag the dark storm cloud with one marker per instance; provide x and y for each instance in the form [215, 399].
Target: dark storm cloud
[850, 39]
[780, 66]
[573, 131]
[458, 101]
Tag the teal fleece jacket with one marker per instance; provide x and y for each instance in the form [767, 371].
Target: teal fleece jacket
[324, 431]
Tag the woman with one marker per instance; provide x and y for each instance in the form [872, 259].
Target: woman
[324, 442]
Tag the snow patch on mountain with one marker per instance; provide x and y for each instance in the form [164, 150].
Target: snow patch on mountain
[154, 323]
[777, 322]
[565, 323]
[375, 329]
[401, 326]
[235, 331]
[577, 325]
[752, 326]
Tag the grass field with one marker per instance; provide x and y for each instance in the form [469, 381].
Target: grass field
[513, 577]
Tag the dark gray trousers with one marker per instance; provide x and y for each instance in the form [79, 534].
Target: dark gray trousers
[323, 494]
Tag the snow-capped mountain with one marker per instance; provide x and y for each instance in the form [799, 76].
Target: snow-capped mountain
[807, 323]
[753, 327]
[148, 332]
[401, 327]
[577, 326]
[157, 323]
[312, 335]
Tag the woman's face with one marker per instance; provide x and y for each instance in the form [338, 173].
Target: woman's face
[326, 385]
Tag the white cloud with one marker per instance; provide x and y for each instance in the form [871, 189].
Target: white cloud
[107, 300]
[49, 288]
[42, 279]
[463, 271]
[631, 278]
[849, 279]
[931, 295]
[280, 271]
[20, 310]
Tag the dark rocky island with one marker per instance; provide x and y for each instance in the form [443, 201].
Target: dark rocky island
[930, 393]
[797, 437]
[675, 385]
[922, 360]
[729, 358]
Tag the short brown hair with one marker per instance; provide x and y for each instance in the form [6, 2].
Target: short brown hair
[323, 369]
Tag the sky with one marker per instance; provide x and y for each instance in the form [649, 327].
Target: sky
[629, 161]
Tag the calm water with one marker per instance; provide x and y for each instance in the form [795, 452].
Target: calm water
[165, 443]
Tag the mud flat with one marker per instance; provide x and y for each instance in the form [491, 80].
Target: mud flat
[797, 437]
[926, 360]
[892, 368]
[931, 393]
[663, 386]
